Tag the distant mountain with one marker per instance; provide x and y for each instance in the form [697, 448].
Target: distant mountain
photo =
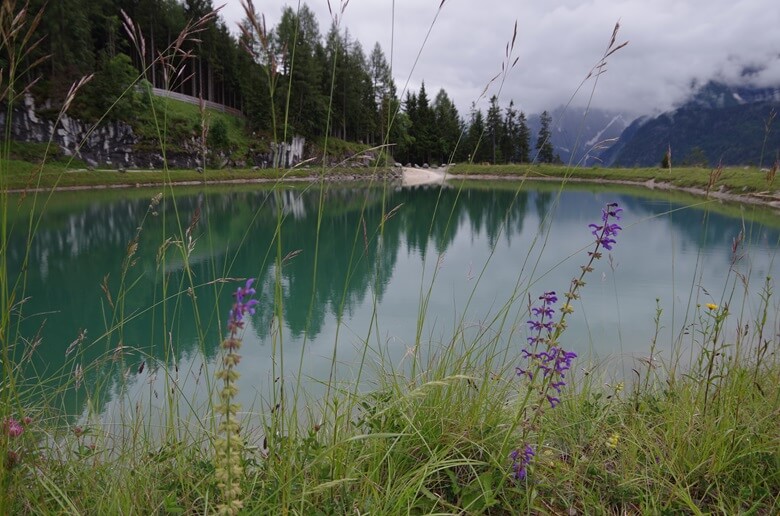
[583, 136]
[719, 123]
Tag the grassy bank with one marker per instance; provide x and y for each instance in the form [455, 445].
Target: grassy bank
[747, 184]
[736, 180]
[22, 175]
[702, 440]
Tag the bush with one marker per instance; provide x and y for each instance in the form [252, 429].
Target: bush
[110, 91]
[218, 135]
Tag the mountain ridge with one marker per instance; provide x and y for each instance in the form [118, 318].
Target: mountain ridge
[719, 123]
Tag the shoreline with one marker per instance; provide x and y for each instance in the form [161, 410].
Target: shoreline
[412, 177]
[770, 201]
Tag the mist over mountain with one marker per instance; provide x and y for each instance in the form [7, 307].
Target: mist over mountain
[579, 136]
[719, 123]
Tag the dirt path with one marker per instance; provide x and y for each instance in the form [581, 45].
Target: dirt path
[423, 176]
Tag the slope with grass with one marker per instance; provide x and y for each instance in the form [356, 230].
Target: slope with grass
[743, 184]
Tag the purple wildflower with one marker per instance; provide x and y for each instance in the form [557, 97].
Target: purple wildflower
[520, 461]
[554, 361]
[605, 231]
[557, 385]
[241, 307]
[544, 311]
[539, 325]
[13, 427]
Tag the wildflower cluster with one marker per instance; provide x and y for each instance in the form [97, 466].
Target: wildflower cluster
[13, 428]
[613, 440]
[230, 446]
[605, 231]
[546, 361]
[553, 361]
[521, 459]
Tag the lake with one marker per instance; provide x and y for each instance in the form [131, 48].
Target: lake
[391, 268]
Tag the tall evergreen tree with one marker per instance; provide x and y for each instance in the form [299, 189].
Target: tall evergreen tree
[448, 127]
[523, 139]
[298, 40]
[478, 151]
[493, 130]
[510, 137]
[383, 90]
[68, 42]
[544, 147]
[423, 128]
[359, 95]
[409, 147]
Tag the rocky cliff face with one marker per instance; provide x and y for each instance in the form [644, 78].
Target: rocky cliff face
[111, 144]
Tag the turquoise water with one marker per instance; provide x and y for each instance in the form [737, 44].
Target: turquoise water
[367, 290]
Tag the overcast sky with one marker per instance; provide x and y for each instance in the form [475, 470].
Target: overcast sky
[671, 44]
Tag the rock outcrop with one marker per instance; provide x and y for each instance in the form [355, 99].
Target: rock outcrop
[110, 144]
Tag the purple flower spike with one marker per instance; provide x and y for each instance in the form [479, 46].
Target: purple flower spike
[520, 461]
[242, 306]
[605, 231]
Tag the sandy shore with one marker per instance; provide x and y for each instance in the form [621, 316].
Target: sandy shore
[423, 176]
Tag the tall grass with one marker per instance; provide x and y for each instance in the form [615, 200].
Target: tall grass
[469, 423]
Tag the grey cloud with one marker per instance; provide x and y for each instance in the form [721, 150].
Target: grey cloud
[672, 44]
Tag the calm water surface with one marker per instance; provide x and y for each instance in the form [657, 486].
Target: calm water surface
[358, 293]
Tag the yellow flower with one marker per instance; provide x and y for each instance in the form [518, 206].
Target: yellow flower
[612, 440]
[711, 306]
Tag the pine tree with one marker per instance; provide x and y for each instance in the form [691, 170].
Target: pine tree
[448, 127]
[493, 130]
[474, 139]
[383, 90]
[544, 147]
[298, 37]
[424, 128]
[523, 139]
[510, 137]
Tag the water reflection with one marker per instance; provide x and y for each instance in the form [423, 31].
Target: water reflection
[368, 250]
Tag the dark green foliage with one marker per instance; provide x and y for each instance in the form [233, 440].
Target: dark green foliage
[666, 161]
[509, 135]
[113, 91]
[695, 158]
[478, 151]
[422, 128]
[494, 131]
[544, 147]
[218, 135]
[448, 127]
[524, 139]
[298, 83]
[298, 38]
